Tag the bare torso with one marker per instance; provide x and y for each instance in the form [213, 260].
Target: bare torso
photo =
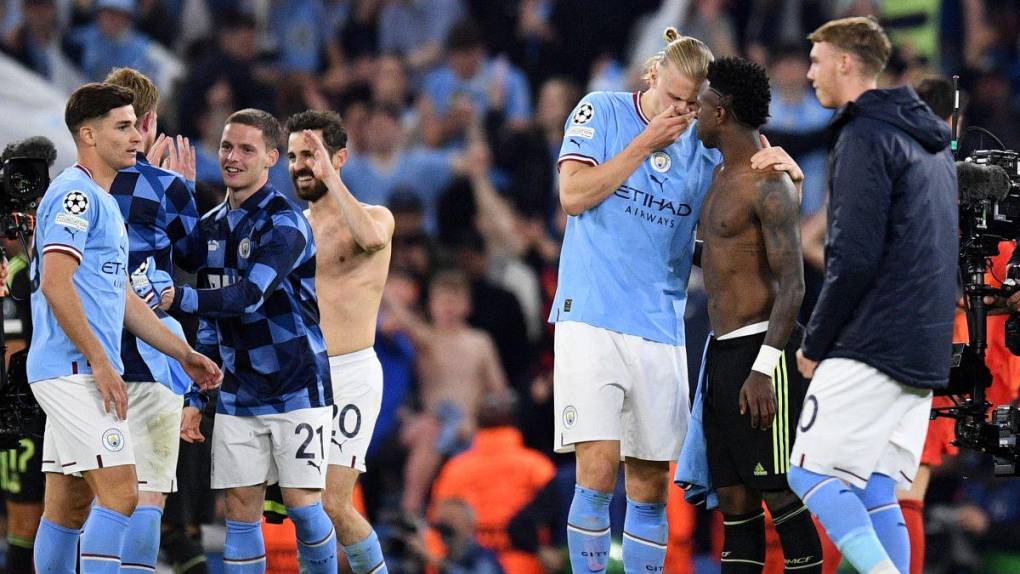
[740, 286]
[349, 282]
[455, 368]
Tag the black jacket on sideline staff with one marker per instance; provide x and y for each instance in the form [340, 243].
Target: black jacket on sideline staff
[892, 243]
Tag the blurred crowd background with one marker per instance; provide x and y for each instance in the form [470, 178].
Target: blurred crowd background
[455, 111]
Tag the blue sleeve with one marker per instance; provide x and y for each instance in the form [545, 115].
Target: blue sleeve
[192, 251]
[207, 343]
[585, 131]
[858, 216]
[273, 258]
[67, 221]
[178, 213]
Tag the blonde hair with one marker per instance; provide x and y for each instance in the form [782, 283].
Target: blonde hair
[690, 56]
[860, 36]
[146, 94]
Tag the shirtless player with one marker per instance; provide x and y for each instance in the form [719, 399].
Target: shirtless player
[754, 279]
[352, 263]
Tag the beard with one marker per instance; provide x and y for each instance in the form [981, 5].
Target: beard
[311, 195]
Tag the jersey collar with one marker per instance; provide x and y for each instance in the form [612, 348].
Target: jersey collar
[637, 107]
[86, 170]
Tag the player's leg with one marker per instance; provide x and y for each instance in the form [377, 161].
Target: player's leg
[589, 383]
[802, 548]
[24, 493]
[848, 417]
[912, 506]
[898, 464]
[357, 393]
[155, 424]
[67, 503]
[354, 532]
[102, 540]
[743, 530]
[81, 437]
[22, 525]
[242, 464]
[244, 551]
[645, 530]
[423, 460]
[654, 423]
[734, 452]
[300, 439]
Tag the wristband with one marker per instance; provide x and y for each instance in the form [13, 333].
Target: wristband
[768, 358]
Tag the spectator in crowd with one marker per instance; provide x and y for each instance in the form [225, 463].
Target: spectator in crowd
[458, 552]
[112, 42]
[36, 43]
[470, 84]
[458, 366]
[797, 122]
[416, 29]
[229, 66]
[497, 477]
[384, 164]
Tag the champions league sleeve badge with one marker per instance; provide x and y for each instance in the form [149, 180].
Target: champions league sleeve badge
[585, 112]
[76, 202]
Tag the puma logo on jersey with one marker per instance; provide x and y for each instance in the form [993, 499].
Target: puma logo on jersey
[317, 467]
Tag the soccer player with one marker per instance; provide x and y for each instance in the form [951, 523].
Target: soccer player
[352, 262]
[632, 179]
[159, 209]
[80, 304]
[255, 259]
[754, 278]
[879, 338]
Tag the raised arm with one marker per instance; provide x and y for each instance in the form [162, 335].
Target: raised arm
[584, 185]
[371, 226]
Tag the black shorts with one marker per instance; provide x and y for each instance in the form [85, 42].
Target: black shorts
[738, 454]
[21, 476]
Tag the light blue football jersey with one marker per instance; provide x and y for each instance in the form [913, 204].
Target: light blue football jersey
[626, 261]
[79, 218]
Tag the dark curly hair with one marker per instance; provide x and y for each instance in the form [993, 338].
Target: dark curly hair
[333, 134]
[747, 85]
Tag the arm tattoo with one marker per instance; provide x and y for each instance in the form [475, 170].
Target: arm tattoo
[779, 213]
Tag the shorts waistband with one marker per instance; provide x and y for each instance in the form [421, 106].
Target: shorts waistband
[352, 357]
[756, 338]
[746, 331]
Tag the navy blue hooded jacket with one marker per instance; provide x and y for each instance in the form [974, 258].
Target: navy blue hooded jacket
[891, 249]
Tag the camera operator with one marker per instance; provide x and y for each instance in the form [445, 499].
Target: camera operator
[22, 480]
[879, 338]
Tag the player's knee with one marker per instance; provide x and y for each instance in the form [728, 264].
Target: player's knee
[124, 501]
[801, 480]
[737, 499]
[778, 499]
[880, 490]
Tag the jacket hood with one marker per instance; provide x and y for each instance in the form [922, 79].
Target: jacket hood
[903, 109]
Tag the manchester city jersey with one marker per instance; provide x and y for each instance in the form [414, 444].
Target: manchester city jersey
[79, 219]
[626, 261]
